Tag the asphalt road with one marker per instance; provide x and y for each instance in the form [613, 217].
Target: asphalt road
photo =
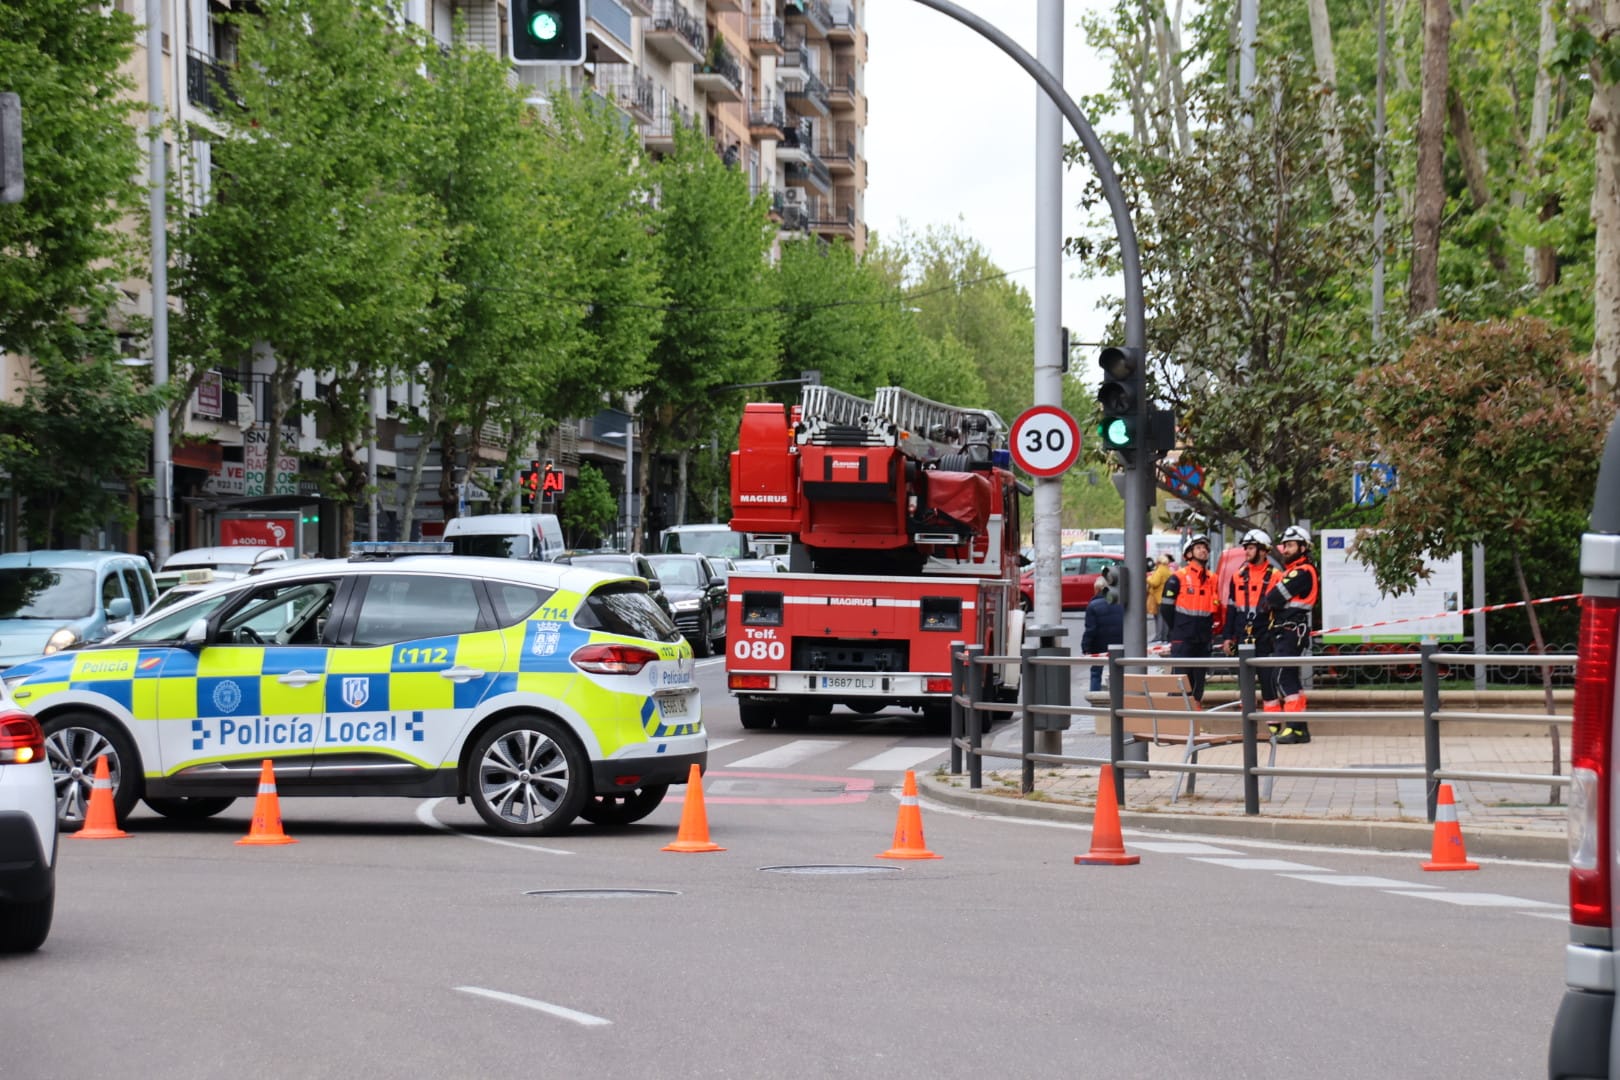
[399, 938]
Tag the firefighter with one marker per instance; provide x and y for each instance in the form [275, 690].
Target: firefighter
[1290, 601]
[1247, 620]
[1192, 606]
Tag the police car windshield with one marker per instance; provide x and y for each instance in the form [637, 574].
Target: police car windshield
[492, 545]
[623, 607]
[40, 592]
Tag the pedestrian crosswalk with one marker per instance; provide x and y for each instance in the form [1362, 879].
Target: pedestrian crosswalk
[823, 755]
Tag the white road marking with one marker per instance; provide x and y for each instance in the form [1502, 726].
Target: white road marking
[787, 755]
[424, 814]
[897, 759]
[1181, 847]
[1476, 899]
[1358, 881]
[1261, 864]
[715, 744]
[562, 1013]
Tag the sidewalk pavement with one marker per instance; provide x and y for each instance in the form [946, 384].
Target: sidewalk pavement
[1507, 820]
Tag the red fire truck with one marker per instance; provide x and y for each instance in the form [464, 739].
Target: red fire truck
[902, 521]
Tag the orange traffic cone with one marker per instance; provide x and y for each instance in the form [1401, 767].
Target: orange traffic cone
[908, 831]
[266, 828]
[1449, 852]
[693, 837]
[1107, 846]
[101, 816]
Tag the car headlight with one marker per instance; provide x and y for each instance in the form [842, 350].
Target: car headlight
[687, 605]
[62, 639]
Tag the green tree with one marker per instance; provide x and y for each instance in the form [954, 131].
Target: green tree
[63, 252]
[843, 317]
[722, 325]
[590, 509]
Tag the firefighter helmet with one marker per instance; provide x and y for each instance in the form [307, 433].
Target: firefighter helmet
[1297, 534]
[1193, 541]
[1258, 537]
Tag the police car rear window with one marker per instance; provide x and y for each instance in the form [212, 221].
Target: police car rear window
[623, 607]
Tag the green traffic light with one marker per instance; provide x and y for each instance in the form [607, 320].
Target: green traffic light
[1117, 432]
[544, 26]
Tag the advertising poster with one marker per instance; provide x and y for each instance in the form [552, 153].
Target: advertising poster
[256, 454]
[1351, 598]
[258, 532]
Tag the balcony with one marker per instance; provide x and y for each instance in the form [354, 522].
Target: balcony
[837, 218]
[720, 77]
[812, 15]
[674, 34]
[841, 26]
[766, 35]
[658, 134]
[766, 119]
[609, 33]
[839, 154]
[813, 173]
[843, 94]
[795, 214]
[640, 7]
[207, 82]
[793, 147]
[627, 88]
[811, 100]
[795, 57]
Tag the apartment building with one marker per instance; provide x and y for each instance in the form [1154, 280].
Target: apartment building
[778, 85]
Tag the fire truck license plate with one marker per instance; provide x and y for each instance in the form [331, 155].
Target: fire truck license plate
[673, 706]
[849, 682]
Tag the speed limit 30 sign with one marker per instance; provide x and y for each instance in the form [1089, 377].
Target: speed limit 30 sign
[1045, 441]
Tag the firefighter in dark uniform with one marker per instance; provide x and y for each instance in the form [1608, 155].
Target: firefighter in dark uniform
[1192, 607]
[1247, 620]
[1290, 602]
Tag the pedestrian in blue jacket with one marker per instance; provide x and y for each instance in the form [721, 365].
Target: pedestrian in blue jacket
[1105, 626]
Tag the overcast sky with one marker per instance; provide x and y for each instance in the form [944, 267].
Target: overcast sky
[950, 135]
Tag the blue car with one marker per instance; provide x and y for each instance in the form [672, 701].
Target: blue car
[54, 600]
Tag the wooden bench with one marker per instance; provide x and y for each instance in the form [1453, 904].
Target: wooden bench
[1170, 693]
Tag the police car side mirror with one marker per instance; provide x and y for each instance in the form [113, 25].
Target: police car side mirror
[196, 633]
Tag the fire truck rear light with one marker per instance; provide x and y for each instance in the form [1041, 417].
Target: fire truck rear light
[752, 682]
[612, 659]
[937, 686]
[762, 609]
[941, 613]
[1590, 841]
[21, 739]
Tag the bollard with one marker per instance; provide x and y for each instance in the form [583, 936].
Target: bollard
[958, 687]
[1251, 745]
[1431, 726]
[1029, 696]
[1116, 731]
[970, 715]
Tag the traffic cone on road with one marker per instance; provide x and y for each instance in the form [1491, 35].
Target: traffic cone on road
[101, 815]
[266, 827]
[1107, 845]
[693, 837]
[1449, 852]
[908, 830]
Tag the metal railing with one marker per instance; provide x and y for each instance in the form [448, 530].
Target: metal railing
[207, 81]
[969, 707]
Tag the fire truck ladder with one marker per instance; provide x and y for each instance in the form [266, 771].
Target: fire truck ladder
[829, 417]
[929, 431]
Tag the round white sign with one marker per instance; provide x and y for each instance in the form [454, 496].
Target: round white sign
[1045, 441]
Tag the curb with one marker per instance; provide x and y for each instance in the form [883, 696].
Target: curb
[1414, 837]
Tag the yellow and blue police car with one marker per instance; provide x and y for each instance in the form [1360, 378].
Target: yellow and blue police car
[540, 692]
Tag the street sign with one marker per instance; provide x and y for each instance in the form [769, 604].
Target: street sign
[1371, 483]
[1045, 441]
[1187, 476]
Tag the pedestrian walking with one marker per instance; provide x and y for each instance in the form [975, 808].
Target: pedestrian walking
[1155, 596]
[1192, 606]
[1105, 626]
[1248, 621]
[1290, 602]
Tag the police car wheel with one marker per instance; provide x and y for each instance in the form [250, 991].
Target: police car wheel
[73, 742]
[623, 809]
[190, 807]
[529, 777]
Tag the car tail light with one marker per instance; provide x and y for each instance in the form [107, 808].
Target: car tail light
[612, 659]
[937, 686]
[21, 739]
[1589, 839]
[751, 682]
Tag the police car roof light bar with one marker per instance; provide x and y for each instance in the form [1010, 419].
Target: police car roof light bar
[393, 549]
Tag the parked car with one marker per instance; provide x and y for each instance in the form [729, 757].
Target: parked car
[697, 593]
[619, 562]
[27, 833]
[225, 562]
[1079, 580]
[539, 693]
[54, 600]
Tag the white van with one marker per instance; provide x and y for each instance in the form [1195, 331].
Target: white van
[711, 540]
[507, 536]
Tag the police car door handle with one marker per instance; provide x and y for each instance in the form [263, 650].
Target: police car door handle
[461, 674]
[298, 678]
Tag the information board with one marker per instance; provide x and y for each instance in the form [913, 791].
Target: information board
[1350, 597]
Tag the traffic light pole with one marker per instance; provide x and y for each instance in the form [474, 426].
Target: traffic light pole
[1139, 471]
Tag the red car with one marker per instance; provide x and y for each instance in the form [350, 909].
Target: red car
[1079, 579]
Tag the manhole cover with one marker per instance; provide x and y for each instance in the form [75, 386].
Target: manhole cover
[600, 894]
[832, 868]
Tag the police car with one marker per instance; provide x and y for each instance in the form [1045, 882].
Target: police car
[540, 692]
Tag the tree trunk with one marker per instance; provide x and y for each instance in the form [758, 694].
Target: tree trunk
[1603, 117]
[1423, 287]
[683, 465]
[1327, 74]
[1540, 123]
[1546, 672]
[1178, 89]
[1479, 186]
[450, 505]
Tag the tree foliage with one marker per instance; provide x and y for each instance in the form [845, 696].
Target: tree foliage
[590, 509]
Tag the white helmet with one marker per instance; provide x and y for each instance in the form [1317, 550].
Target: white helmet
[1296, 533]
[1256, 536]
[1193, 541]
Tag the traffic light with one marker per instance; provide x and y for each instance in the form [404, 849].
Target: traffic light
[1112, 579]
[1124, 384]
[548, 31]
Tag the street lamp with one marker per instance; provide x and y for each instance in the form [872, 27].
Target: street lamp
[629, 437]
